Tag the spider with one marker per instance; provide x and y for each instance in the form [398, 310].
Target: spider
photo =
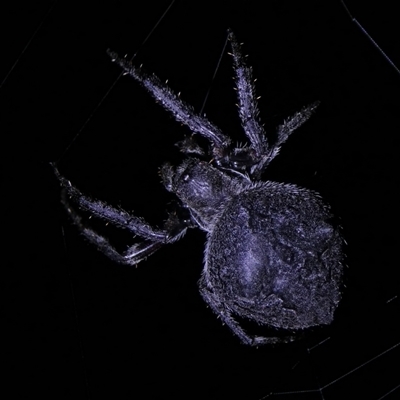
[273, 253]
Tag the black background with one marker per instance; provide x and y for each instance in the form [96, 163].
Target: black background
[79, 326]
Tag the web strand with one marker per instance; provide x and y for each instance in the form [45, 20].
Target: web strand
[214, 75]
[28, 44]
[371, 39]
[99, 104]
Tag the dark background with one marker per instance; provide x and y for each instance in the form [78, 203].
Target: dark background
[79, 326]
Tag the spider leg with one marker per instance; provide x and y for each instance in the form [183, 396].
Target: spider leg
[118, 217]
[284, 131]
[153, 239]
[248, 110]
[181, 111]
[226, 316]
[132, 256]
[248, 107]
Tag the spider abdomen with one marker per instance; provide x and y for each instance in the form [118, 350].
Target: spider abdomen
[275, 257]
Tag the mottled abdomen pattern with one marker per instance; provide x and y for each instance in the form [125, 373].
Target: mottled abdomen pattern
[275, 256]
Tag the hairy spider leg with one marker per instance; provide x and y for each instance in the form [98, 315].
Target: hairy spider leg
[181, 111]
[153, 238]
[226, 317]
[286, 129]
[132, 256]
[248, 112]
[248, 107]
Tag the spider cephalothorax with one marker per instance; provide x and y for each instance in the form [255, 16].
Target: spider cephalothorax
[273, 254]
